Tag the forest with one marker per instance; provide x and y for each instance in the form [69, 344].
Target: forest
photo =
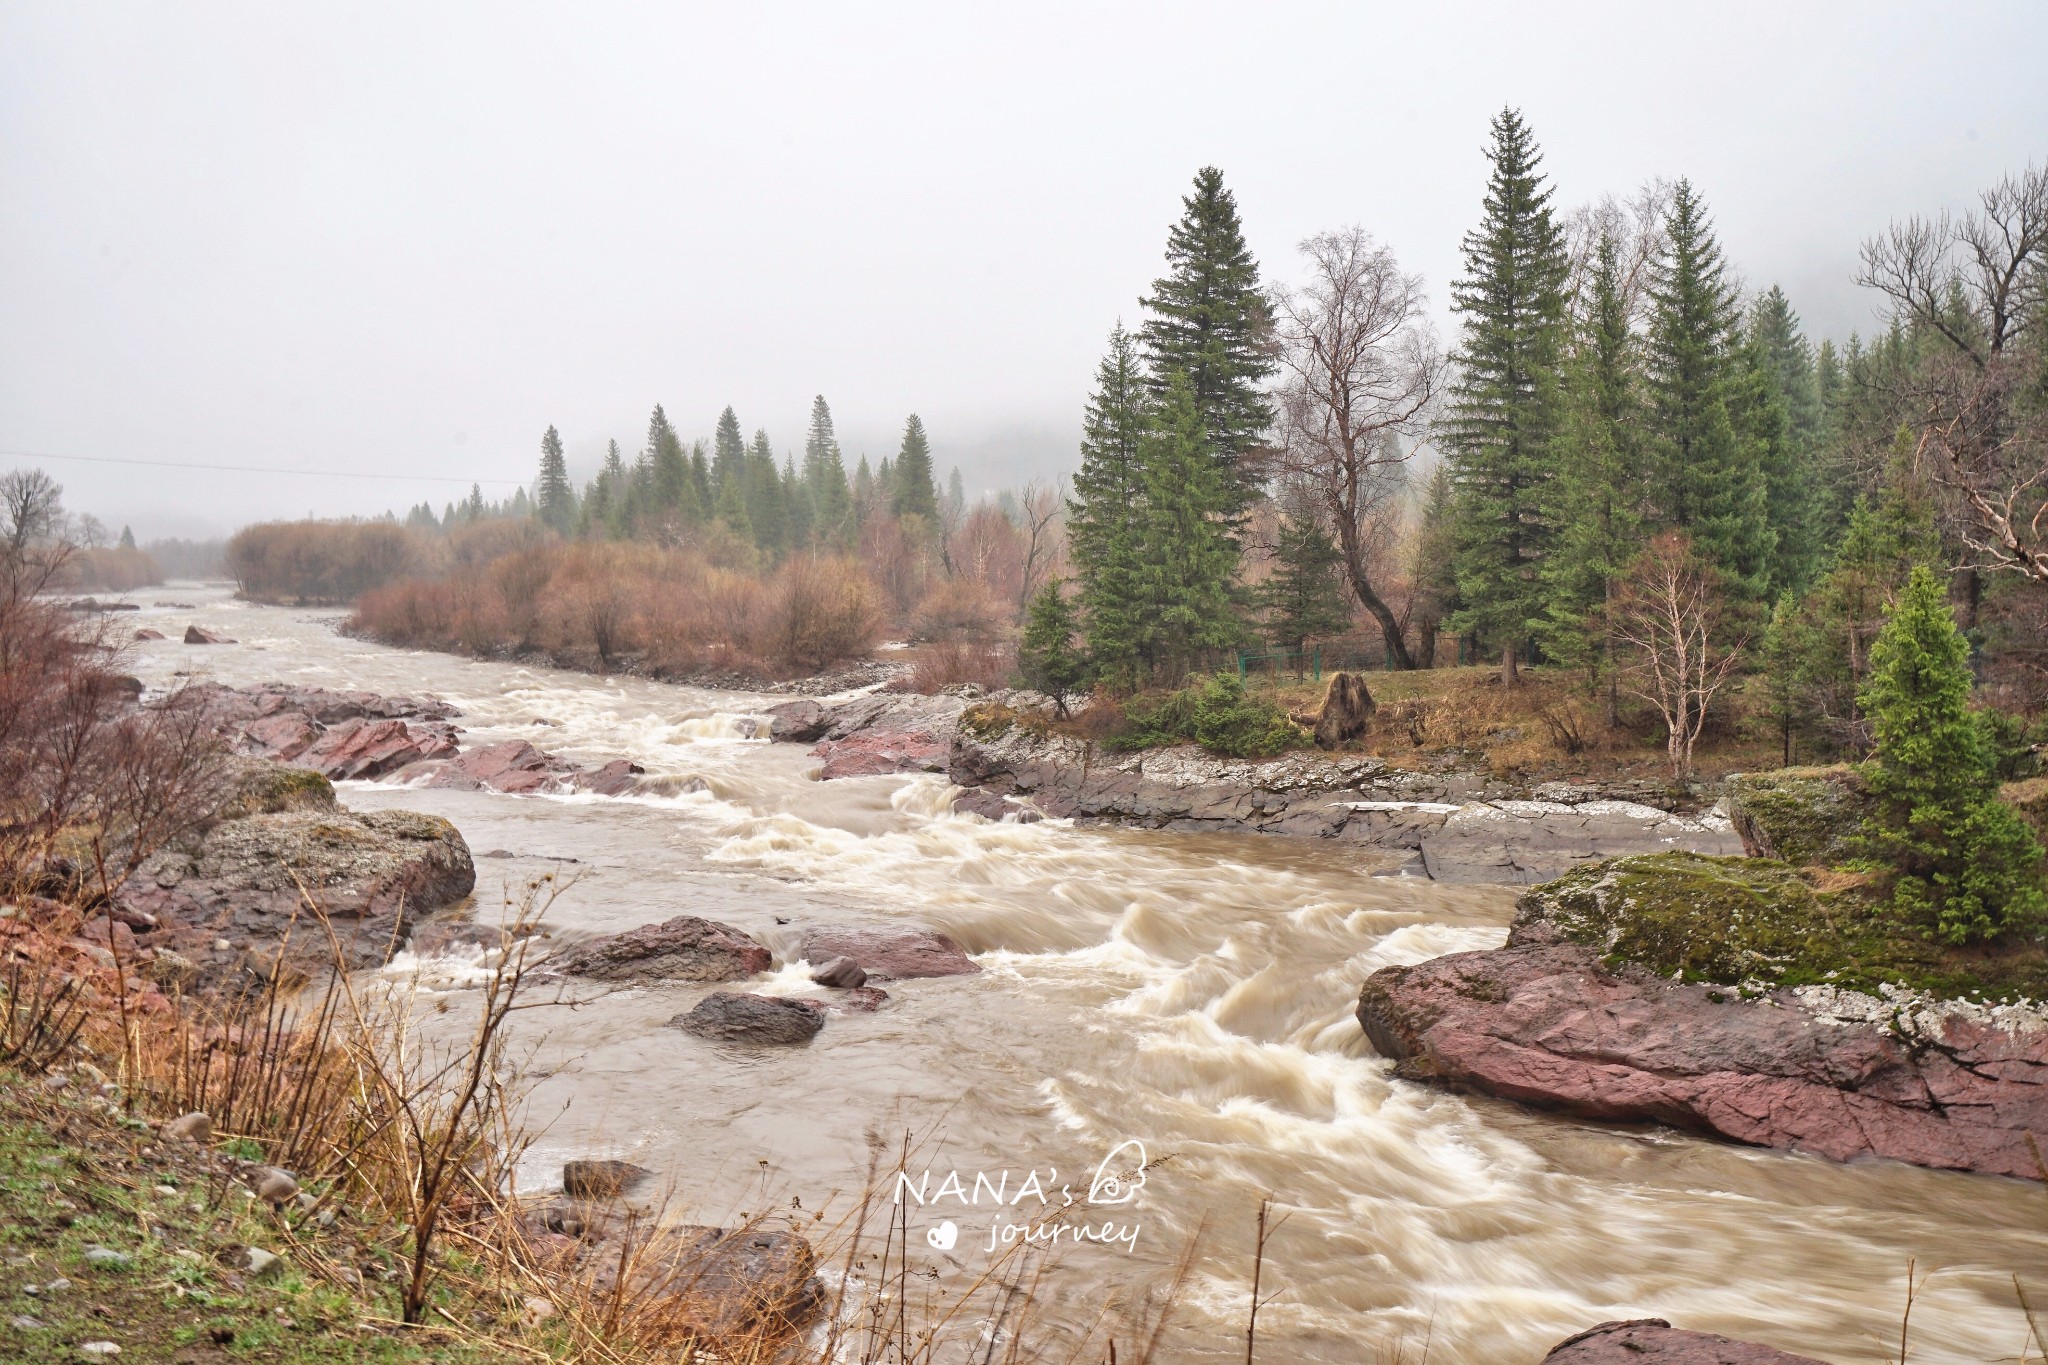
[1631, 470]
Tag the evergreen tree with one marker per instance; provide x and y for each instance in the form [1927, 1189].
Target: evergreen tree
[728, 461]
[671, 496]
[1434, 568]
[1186, 557]
[830, 499]
[1781, 404]
[914, 492]
[796, 500]
[1305, 597]
[1046, 655]
[1963, 862]
[1209, 320]
[700, 477]
[955, 505]
[766, 511]
[1711, 478]
[1597, 499]
[1504, 411]
[553, 496]
[1104, 511]
[863, 491]
[128, 534]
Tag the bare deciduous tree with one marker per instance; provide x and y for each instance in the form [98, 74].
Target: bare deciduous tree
[1039, 507]
[1668, 614]
[1360, 370]
[1977, 281]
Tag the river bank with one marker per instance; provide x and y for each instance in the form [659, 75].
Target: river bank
[1194, 990]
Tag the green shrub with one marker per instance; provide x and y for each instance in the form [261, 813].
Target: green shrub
[1216, 713]
[1962, 862]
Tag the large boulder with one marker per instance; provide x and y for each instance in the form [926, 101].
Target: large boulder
[511, 765]
[1801, 816]
[1815, 1069]
[888, 954]
[884, 733]
[247, 882]
[685, 948]
[1653, 1341]
[799, 721]
[881, 752]
[199, 635]
[371, 748]
[738, 1017]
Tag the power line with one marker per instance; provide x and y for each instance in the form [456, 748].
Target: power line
[259, 469]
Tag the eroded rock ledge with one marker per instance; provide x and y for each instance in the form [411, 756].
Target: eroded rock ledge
[1843, 1074]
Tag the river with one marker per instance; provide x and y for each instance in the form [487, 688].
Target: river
[1193, 993]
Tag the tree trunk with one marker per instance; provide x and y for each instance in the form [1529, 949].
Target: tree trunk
[1361, 584]
[1508, 676]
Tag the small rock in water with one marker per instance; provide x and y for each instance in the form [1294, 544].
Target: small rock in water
[738, 1017]
[600, 1179]
[108, 1258]
[192, 1127]
[842, 972]
[276, 1186]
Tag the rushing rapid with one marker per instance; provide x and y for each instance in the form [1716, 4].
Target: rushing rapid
[1193, 993]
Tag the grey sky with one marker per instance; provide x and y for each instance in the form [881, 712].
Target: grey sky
[403, 239]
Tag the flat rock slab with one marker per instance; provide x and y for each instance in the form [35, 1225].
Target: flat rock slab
[889, 954]
[1833, 1073]
[737, 1017]
[1527, 842]
[881, 752]
[685, 948]
[1653, 1341]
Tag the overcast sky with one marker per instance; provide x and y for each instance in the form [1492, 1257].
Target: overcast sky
[401, 240]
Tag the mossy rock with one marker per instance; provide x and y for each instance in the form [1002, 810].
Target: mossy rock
[1802, 816]
[988, 721]
[1737, 921]
[257, 786]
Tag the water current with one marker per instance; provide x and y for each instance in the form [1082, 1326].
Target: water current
[1193, 993]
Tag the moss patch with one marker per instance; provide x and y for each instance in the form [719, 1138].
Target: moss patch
[1737, 920]
[2030, 799]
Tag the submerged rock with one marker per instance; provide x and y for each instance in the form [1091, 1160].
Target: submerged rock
[685, 948]
[889, 954]
[1653, 1341]
[601, 1179]
[196, 635]
[1833, 1073]
[738, 1017]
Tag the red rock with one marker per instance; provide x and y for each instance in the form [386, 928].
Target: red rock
[889, 954]
[615, 778]
[1551, 1026]
[511, 765]
[195, 635]
[1653, 1341]
[370, 748]
[283, 737]
[685, 948]
[147, 634]
[872, 753]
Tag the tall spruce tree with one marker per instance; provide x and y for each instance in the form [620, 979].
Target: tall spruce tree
[796, 500]
[831, 499]
[1596, 501]
[1708, 471]
[1505, 403]
[1209, 319]
[670, 494]
[766, 510]
[728, 460]
[1103, 513]
[915, 490]
[554, 498]
[1781, 403]
[1186, 556]
[1305, 597]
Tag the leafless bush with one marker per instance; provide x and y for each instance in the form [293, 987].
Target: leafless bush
[328, 563]
[1669, 616]
[821, 610]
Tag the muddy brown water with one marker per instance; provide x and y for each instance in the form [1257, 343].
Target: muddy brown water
[1192, 993]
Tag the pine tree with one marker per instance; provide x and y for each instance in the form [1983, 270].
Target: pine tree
[128, 534]
[1186, 557]
[1709, 473]
[766, 511]
[1781, 408]
[1209, 320]
[831, 500]
[553, 496]
[1963, 862]
[700, 477]
[1046, 655]
[863, 490]
[1305, 598]
[1104, 511]
[1504, 411]
[955, 505]
[671, 495]
[728, 460]
[796, 499]
[1597, 498]
[915, 493]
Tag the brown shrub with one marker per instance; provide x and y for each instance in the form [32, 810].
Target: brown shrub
[956, 661]
[114, 568]
[324, 563]
[822, 609]
[961, 610]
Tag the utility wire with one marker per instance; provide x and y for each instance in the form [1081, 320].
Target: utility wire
[259, 469]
